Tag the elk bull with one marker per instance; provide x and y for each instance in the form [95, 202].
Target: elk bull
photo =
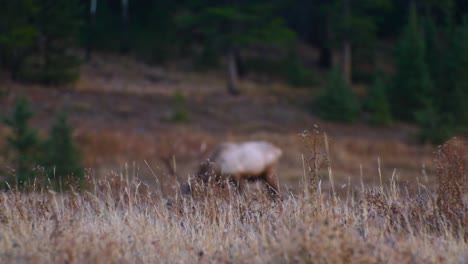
[239, 162]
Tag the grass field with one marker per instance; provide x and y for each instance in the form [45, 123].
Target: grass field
[120, 220]
[372, 195]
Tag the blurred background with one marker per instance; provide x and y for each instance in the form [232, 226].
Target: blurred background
[149, 87]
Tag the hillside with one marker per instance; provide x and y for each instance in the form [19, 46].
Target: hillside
[124, 112]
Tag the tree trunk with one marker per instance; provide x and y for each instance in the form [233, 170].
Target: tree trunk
[232, 76]
[125, 35]
[241, 71]
[347, 63]
[325, 51]
[16, 62]
[325, 57]
[346, 53]
[91, 28]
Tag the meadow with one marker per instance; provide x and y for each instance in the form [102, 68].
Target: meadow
[119, 219]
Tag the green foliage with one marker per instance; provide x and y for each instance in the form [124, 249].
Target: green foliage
[361, 26]
[208, 58]
[434, 127]
[236, 25]
[153, 34]
[296, 73]
[180, 113]
[338, 103]
[58, 154]
[239, 24]
[61, 157]
[459, 93]
[354, 23]
[105, 33]
[55, 70]
[434, 52]
[3, 92]
[378, 104]
[36, 37]
[289, 69]
[23, 142]
[447, 58]
[412, 83]
[58, 23]
[17, 29]
[17, 32]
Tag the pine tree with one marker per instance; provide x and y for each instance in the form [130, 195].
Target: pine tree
[338, 103]
[447, 58]
[459, 93]
[61, 157]
[23, 142]
[378, 105]
[434, 125]
[17, 33]
[436, 58]
[412, 82]
[227, 27]
[58, 23]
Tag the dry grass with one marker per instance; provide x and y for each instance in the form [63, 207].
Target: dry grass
[121, 220]
[333, 216]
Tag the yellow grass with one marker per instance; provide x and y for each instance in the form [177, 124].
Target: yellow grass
[120, 220]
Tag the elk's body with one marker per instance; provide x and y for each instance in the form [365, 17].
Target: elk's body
[244, 161]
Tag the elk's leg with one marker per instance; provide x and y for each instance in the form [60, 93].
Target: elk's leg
[271, 182]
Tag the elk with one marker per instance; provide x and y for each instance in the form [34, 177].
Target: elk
[238, 162]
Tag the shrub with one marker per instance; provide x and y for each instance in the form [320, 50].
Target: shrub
[289, 69]
[338, 103]
[378, 105]
[179, 110]
[23, 142]
[296, 74]
[58, 23]
[207, 58]
[451, 183]
[434, 127]
[61, 157]
[18, 33]
[59, 69]
[412, 81]
[3, 92]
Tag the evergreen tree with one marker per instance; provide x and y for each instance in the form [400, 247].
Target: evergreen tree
[338, 103]
[155, 40]
[226, 28]
[58, 23]
[436, 58]
[378, 105]
[447, 58]
[459, 92]
[412, 84]
[440, 56]
[446, 55]
[345, 25]
[61, 157]
[17, 33]
[295, 72]
[434, 126]
[23, 142]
